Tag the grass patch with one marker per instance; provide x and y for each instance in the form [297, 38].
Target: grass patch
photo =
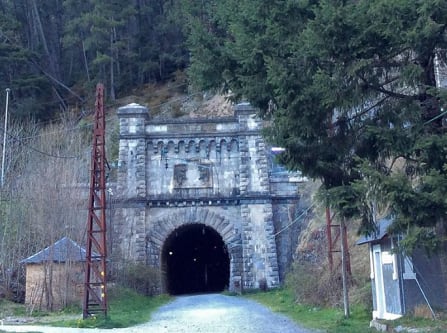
[330, 320]
[126, 308]
[413, 321]
[8, 308]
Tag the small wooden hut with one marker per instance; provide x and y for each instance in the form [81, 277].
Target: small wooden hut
[55, 276]
[403, 284]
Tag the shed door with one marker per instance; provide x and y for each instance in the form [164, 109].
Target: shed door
[378, 281]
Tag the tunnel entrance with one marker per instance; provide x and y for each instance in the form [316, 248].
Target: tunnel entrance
[195, 260]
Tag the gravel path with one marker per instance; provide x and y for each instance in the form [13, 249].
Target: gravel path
[211, 313]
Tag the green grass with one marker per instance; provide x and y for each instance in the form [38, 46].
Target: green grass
[125, 308]
[329, 320]
[435, 326]
[8, 308]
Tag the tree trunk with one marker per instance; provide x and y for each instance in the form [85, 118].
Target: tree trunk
[84, 53]
[38, 23]
[112, 77]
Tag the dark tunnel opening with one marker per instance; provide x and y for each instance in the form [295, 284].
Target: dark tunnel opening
[195, 260]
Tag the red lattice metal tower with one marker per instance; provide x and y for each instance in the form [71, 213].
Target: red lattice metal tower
[95, 291]
[334, 237]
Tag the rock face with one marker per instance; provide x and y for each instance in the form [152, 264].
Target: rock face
[216, 173]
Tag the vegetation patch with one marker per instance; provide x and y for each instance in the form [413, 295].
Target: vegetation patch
[11, 309]
[126, 308]
[140, 278]
[330, 320]
[421, 323]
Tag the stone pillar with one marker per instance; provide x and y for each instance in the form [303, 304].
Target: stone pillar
[131, 186]
[132, 151]
[246, 115]
[253, 160]
[260, 263]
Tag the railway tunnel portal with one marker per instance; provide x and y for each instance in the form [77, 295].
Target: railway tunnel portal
[198, 199]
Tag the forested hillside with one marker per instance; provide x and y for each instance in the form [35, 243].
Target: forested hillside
[54, 52]
[355, 91]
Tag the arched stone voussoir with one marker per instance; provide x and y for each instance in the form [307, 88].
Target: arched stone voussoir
[166, 225]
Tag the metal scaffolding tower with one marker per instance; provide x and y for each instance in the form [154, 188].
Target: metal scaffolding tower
[95, 291]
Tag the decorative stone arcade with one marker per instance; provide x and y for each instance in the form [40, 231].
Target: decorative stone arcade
[206, 177]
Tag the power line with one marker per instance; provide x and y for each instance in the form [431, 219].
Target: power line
[77, 127]
[21, 140]
[305, 212]
[54, 132]
[52, 155]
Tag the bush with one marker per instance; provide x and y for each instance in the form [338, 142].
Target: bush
[315, 286]
[139, 277]
[361, 293]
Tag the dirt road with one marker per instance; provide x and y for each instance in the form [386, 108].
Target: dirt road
[211, 313]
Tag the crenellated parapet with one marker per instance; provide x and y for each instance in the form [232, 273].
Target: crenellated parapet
[204, 146]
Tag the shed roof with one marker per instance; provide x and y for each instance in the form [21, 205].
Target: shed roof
[63, 250]
[382, 231]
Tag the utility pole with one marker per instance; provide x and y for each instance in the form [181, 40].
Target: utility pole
[330, 243]
[95, 291]
[4, 137]
[344, 266]
[340, 236]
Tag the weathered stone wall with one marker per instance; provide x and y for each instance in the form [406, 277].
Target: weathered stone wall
[215, 172]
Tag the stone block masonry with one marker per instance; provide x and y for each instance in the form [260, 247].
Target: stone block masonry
[210, 172]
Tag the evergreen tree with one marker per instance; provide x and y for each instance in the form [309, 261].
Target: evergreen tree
[30, 90]
[158, 40]
[350, 87]
[100, 29]
[56, 51]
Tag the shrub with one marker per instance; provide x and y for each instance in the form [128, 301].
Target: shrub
[422, 311]
[312, 284]
[361, 293]
[139, 277]
[315, 286]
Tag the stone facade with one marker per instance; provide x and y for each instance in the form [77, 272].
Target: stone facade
[213, 172]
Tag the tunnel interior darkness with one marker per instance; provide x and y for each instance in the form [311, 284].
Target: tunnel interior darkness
[195, 260]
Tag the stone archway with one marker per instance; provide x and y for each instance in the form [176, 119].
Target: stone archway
[170, 233]
[195, 260]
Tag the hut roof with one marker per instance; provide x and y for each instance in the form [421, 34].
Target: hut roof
[382, 231]
[63, 250]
